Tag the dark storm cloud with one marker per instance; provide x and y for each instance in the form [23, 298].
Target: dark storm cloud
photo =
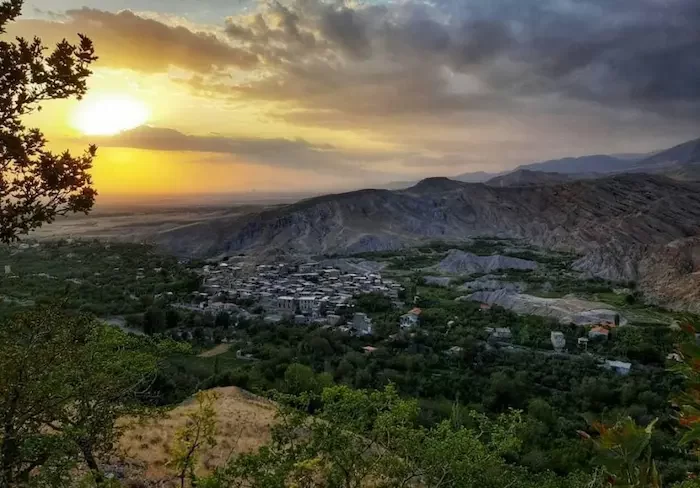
[346, 28]
[632, 54]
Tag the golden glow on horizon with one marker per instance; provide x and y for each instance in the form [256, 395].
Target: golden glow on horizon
[109, 114]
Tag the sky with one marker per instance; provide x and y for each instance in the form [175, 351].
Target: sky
[312, 95]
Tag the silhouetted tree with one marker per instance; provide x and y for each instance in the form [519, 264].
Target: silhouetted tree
[37, 185]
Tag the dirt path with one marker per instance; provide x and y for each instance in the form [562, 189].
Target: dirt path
[220, 349]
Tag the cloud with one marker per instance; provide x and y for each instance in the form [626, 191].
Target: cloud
[127, 40]
[446, 82]
[288, 153]
[639, 54]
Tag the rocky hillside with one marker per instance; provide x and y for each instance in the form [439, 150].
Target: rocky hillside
[526, 177]
[613, 221]
[460, 262]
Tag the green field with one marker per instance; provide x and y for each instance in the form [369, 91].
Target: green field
[102, 278]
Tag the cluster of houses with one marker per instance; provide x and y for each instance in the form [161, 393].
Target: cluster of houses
[305, 293]
[558, 340]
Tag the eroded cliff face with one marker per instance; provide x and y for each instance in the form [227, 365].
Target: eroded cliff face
[670, 274]
[616, 223]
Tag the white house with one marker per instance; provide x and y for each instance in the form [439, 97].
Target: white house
[362, 324]
[620, 367]
[502, 334]
[307, 304]
[410, 319]
[558, 340]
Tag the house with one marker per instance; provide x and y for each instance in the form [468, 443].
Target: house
[598, 333]
[361, 324]
[286, 304]
[369, 349]
[502, 334]
[558, 340]
[484, 307]
[620, 367]
[333, 319]
[410, 319]
[455, 351]
[307, 304]
[8, 269]
[583, 343]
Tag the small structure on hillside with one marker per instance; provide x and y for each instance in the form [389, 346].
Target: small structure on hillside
[583, 343]
[620, 367]
[410, 319]
[8, 269]
[599, 333]
[499, 333]
[369, 349]
[558, 340]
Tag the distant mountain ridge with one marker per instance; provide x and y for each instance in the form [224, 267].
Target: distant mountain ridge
[614, 221]
[527, 177]
[672, 162]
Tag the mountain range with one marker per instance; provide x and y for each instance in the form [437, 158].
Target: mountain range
[676, 162]
[631, 226]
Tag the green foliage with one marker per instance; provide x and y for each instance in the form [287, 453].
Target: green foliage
[198, 434]
[65, 381]
[106, 279]
[37, 185]
[689, 399]
[372, 439]
[624, 454]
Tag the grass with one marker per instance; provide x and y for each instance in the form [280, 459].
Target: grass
[243, 425]
[216, 351]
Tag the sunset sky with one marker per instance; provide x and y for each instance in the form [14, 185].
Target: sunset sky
[238, 95]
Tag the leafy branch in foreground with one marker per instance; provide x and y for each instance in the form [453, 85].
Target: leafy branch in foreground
[37, 185]
[198, 433]
[65, 382]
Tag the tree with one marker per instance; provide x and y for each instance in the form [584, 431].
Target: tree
[223, 320]
[624, 454]
[65, 381]
[361, 439]
[172, 318]
[198, 433]
[37, 185]
[154, 321]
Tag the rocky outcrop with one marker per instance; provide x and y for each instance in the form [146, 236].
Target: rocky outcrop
[567, 310]
[460, 262]
[492, 283]
[671, 274]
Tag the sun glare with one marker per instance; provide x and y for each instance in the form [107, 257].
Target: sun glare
[109, 115]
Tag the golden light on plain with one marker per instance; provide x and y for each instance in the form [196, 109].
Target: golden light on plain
[109, 114]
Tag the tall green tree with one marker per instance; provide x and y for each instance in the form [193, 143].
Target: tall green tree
[37, 185]
[66, 380]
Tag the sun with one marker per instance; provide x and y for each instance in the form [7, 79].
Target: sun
[106, 115]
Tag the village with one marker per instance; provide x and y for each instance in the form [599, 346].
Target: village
[307, 293]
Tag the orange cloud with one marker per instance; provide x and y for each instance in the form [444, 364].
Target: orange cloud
[126, 40]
